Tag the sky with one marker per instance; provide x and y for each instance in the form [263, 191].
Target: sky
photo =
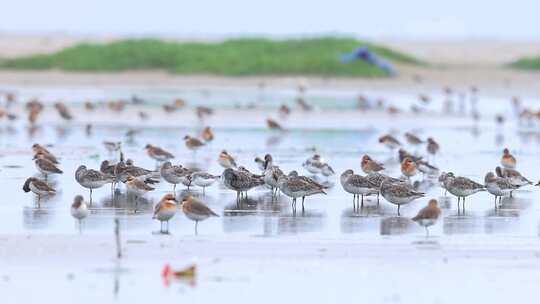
[416, 19]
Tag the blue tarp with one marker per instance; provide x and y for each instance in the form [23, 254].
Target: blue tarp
[363, 53]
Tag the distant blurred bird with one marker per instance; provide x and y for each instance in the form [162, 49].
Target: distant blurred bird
[273, 125]
[63, 111]
[207, 135]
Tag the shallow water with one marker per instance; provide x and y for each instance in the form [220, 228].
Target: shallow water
[470, 150]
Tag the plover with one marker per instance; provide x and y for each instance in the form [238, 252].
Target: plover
[92, 179]
[462, 187]
[498, 186]
[138, 188]
[203, 179]
[79, 209]
[508, 161]
[358, 186]
[158, 153]
[368, 165]
[193, 143]
[45, 166]
[226, 160]
[239, 181]
[295, 186]
[428, 215]
[39, 187]
[389, 141]
[399, 193]
[196, 210]
[165, 210]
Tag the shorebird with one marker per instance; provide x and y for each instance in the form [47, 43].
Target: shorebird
[408, 168]
[47, 156]
[203, 179]
[174, 174]
[389, 141]
[442, 181]
[508, 161]
[239, 181]
[513, 176]
[124, 170]
[327, 171]
[271, 177]
[273, 125]
[402, 153]
[92, 179]
[63, 111]
[157, 153]
[192, 143]
[358, 186]
[79, 209]
[368, 165]
[427, 168]
[295, 186]
[498, 186]
[45, 166]
[260, 163]
[165, 210]
[432, 146]
[313, 164]
[37, 148]
[112, 147]
[226, 160]
[399, 193]
[39, 187]
[207, 135]
[138, 188]
[462, 187]
[412, 139]
[428, 215]
[196, 210]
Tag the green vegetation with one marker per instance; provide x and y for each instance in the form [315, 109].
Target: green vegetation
[530, 63]
[315, 56]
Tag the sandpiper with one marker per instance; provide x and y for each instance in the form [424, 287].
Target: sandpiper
[47, 156]
[193, 143]
[174, 174]
[92, 179]
[402, 153]
[37, 148]
[358, 186]
[39, 187]
[137, 187]
[45, 166]
[428, 215]
[239, 181]
[408, 167]
[158, 153]
[203, 179]
[327, 171]
[368, 165]
[508, 161]
[314, 164]
[271, 177]
[63, 111]
[207, 135]
[389, 141]
[196, 210]
[112, 146]
[165, 210]
[462, 187]
[295, 186]
[79, 209]
[498, 186]
[273, 125]
[399, 193]
[432, 146]
[513, 176]
[124, 170]
[413, 139]
[226, 160]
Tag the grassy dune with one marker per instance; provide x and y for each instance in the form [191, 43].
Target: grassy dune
[316, 56]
